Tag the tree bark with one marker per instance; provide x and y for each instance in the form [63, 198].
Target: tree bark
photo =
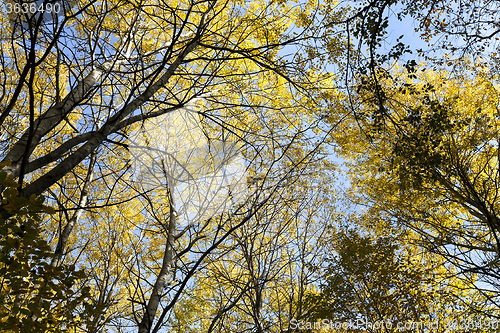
[64, 236]
[154, 300]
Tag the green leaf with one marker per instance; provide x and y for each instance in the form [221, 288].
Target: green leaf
[48, 209]
[11, 183]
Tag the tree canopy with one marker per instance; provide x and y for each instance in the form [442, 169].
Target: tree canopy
[248, 166]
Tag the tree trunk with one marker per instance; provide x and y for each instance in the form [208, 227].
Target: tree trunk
[154, 300]
[64, 236]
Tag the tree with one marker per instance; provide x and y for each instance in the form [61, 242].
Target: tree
[431, 168]
[377, 282]
[432, 136]
[35, 296]
[258, 280]
[75, 89]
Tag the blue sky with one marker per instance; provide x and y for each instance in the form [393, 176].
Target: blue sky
[406, 27]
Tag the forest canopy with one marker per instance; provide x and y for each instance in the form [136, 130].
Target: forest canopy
[249, 166]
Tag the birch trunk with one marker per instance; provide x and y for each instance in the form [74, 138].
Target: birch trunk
[154, 300]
